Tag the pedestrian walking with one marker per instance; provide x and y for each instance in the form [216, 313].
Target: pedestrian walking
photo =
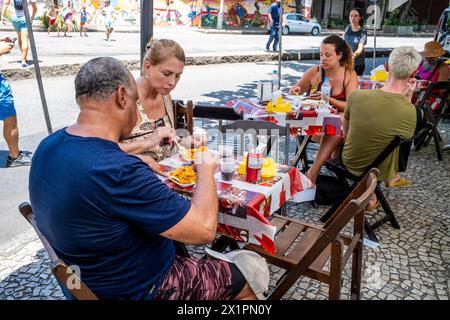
[53, 19]
[68, 15]
[356, 37]
[274, 15]
[16, 157]
[84, 20]
[108, 13]
[20, 25]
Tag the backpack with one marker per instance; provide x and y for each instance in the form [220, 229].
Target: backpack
[18, 4]
[329, 189]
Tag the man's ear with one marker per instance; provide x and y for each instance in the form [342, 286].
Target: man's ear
[121, 97]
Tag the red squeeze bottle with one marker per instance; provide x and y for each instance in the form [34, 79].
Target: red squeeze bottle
[254, 165]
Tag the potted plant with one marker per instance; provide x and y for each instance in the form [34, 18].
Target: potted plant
[396, 22]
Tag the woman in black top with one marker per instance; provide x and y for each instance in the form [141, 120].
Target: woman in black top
[356, 36]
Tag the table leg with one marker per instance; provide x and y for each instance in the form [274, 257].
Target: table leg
[301, 141]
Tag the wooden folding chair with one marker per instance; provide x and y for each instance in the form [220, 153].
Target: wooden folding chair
[60, 270]
[318, 252]
[184, 115]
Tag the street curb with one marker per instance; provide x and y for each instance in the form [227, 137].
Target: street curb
[70, 69]
[324, 32]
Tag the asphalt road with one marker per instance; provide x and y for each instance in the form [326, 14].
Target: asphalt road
[215, 83]
[53, 50]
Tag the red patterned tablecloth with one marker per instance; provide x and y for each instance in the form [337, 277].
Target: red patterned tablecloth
[305, 122]
[245, 207]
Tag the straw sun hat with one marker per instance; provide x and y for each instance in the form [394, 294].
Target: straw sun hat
[432, 50]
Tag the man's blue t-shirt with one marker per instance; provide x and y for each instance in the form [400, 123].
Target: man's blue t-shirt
[103, 210]
[274, 11]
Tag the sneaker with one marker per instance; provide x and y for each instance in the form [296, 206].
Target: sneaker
[25, 65]
[21, 160]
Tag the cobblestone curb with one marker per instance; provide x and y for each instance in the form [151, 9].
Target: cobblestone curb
[72, 68]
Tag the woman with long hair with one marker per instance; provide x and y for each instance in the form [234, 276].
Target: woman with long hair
[336, 63]
[162, 68]
[356, 37]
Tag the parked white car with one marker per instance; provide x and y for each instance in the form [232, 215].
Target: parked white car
[295, 22]
[443, 31]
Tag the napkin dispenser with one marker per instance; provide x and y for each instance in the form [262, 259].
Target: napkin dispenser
[264, 90]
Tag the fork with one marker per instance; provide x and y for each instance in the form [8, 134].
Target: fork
[179, 146]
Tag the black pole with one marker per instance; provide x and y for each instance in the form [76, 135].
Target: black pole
[37, 69]
[280, 39]
[329, 14]
[146, 25]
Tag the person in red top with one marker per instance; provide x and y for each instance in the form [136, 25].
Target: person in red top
[432, 67]
[336, 63]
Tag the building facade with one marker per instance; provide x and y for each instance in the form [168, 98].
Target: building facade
[427, 12]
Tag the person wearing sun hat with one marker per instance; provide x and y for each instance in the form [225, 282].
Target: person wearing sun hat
[432, 67]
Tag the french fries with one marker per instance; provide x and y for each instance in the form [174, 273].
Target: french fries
[189, 154]
[184, 175]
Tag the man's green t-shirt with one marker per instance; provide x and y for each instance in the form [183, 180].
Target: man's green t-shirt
[375, 118]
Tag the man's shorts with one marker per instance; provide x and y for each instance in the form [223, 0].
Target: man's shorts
[6, 99]
[52, 21]
[19, 23]
[109, 24]
[200, 279]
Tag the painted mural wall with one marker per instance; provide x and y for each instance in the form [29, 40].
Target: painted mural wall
[237, 13]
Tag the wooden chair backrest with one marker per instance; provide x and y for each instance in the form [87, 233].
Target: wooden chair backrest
[60, 270]
[184, 115]
[355, 205]
[361, 188]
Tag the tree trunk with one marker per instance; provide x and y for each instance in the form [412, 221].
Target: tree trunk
[405, 10]
[298, 5]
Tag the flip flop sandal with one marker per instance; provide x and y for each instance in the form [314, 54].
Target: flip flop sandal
[402, 182]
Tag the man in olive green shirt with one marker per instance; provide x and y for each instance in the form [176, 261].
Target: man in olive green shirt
[375, 118]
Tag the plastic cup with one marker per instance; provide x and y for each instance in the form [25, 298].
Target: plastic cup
[227, 168]
[226, 151]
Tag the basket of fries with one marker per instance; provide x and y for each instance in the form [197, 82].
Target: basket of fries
[184, 176]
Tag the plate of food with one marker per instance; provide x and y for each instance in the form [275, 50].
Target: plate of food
[308, 104]
[183, 176]
[188, 154]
